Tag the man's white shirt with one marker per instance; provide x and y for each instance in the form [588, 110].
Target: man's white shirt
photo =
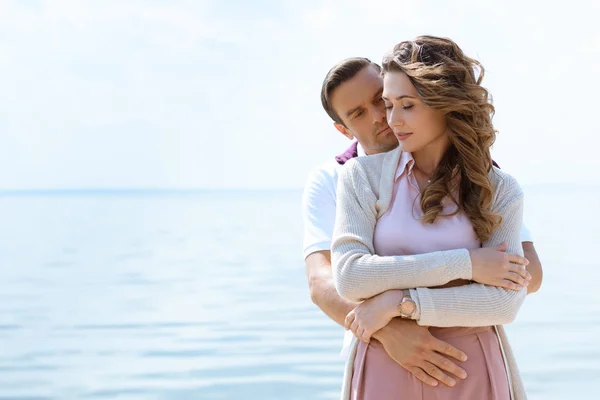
[318, 207]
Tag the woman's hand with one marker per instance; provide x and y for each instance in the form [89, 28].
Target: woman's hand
[373, 314]
[493, 266]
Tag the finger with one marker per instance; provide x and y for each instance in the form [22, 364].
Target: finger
[506, 284]
[360, 333]
[516, 278]
[444, 364]
[366, 338]
[437, 373]
[349, 320]
[449, 350]
[354, 327]
[501, 247]
[518, 269]
[422, 376]
[517, 259]
[367, 335]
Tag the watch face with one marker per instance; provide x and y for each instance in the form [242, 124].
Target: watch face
[407, 308]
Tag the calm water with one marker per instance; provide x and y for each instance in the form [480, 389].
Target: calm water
[204, 296]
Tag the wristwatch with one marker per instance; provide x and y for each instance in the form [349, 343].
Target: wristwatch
[407, 307]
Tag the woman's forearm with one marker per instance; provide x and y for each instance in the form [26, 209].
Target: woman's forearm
[477, 304]
[468, 305]
[360, 274]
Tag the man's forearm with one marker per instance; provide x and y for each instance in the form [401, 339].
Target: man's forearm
[534, 268]
[325, 296]
[322, 288]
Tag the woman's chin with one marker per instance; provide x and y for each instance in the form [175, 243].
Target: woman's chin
[406, 147]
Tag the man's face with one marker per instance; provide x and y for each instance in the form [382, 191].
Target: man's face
[358, 103]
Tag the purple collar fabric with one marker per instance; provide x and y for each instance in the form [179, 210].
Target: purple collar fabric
[350, 152]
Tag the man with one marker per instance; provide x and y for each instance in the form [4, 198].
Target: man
[351, 96]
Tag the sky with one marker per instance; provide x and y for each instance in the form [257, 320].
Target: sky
[225, 93]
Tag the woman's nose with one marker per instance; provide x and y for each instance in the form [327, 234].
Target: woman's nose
[394, 118]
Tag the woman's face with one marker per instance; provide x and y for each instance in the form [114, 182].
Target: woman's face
[415, 125]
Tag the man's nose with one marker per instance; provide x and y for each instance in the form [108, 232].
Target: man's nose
[378, 114]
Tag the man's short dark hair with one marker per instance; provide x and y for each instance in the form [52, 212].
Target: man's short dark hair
[340, 73]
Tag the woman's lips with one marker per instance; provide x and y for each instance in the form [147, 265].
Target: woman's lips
[402, 135]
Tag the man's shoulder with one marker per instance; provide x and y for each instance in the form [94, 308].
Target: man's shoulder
[326, 171]
[322, 180]
[329, 167]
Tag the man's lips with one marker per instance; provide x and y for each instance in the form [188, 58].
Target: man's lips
[384, 130]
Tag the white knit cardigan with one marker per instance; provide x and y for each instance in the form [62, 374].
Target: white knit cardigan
[364, 193]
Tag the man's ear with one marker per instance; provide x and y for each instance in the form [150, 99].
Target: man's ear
[343, 130]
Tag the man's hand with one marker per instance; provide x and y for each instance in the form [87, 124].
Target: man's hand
[416, 349]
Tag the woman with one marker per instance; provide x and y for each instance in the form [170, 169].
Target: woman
[411, 224]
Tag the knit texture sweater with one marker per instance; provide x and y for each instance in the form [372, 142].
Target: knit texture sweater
[364, 193]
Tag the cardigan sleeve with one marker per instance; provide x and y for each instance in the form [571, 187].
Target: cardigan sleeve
[477, 304]
[360, 274]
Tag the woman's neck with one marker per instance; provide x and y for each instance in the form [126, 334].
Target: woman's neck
[428, 158]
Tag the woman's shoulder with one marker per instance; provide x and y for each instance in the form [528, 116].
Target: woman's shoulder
[369, 166]
[506, 187]
[365, 173]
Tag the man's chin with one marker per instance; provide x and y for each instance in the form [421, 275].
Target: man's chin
[389, 147]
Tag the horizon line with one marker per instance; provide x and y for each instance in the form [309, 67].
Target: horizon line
[135, 190]
[173, 190]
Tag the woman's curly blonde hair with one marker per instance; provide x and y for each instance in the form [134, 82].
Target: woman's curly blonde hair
[449, 81]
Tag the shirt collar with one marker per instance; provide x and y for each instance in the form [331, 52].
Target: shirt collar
[360, 151]
[406, 162]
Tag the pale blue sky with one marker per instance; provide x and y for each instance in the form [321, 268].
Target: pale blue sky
[225, 94]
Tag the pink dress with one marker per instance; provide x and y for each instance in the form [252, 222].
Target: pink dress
[400, 232]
